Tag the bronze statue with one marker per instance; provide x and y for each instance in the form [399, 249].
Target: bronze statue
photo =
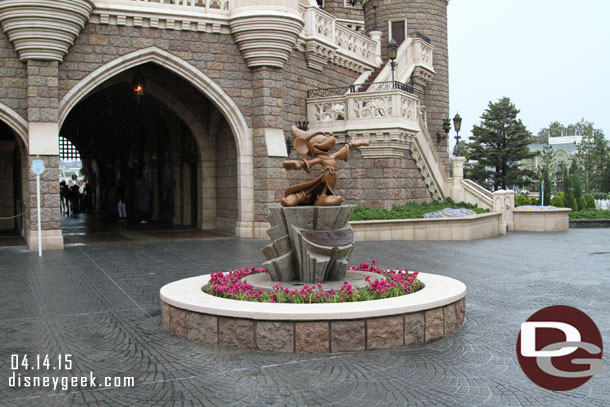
[321, 190]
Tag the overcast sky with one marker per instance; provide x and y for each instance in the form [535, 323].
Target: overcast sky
[550, 57]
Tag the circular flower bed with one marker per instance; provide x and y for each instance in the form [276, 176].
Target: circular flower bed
[392, 283]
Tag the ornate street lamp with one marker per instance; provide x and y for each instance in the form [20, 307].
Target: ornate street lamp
[392, 52]
[558, 178]
[457, 125]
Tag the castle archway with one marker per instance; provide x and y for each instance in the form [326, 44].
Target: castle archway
[171, 162]
[224, 116]
[13, 177]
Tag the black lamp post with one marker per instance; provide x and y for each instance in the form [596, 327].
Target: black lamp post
[392, 51]
[558, 180]
[457, 125]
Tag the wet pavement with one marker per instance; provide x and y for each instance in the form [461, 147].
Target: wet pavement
[100, 304]
[82, 228]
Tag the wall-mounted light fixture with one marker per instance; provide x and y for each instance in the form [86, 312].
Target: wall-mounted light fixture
[139, 84]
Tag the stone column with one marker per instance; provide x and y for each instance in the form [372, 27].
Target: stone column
[43, 129]
[457, 190]
[269, 176]
[504, 202]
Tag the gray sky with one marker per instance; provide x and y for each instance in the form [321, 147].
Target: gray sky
[550, 57]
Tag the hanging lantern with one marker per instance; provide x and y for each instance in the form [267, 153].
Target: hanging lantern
[138, 84]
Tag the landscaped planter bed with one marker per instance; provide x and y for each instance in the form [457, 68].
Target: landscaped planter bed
[465, 228]
[550, 220]
[429, 314]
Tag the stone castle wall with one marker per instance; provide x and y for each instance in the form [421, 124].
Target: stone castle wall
[339, 10]
[13, 78]
[428, 17]
[268, 98]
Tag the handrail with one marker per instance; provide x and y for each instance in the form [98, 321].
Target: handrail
[358, 88]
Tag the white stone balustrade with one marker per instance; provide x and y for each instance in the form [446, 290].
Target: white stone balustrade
[325, 40]
[414, 57]
[208, 4]
[390, 109]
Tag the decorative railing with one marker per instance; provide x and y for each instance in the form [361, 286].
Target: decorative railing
[353, 25]
[393, 104]
[422, 37]
[327, 39]
[185, 15]
[207, 4]
[412, 54]
[361, 87]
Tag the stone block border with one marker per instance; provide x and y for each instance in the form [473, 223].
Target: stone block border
[555, 220]
[467, 228]
[428, 315]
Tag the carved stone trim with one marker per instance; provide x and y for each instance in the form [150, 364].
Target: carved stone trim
[44, 29]
[265, 37]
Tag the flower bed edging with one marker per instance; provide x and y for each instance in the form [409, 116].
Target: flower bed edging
[465, 228]
[424, 316]
[554, 220]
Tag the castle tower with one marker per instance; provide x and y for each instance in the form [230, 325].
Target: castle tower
[405, 18]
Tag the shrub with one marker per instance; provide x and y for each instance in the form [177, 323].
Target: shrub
[523, 200]
[572, 204]
[582, 202]
[557, 200]
[409, 210]
[590, 202]
[590, 214]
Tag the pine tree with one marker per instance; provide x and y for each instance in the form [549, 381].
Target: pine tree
[498, 144]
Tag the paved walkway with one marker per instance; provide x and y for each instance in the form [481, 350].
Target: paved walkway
[100, 303]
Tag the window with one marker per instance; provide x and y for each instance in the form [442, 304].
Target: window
[67, 151]
[398, 30]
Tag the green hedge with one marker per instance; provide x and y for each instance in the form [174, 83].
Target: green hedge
[409, 210]
[590, 214]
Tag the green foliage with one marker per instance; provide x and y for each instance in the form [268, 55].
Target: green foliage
[592, 158]
[582, 202]
[524, 199]
[557, 200]
[590, 214]
[571, 203]
[408, 211]
[498, 144]
[601, 195]
[590, 202]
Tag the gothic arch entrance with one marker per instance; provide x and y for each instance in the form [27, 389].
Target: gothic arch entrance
[168, 161]
[227, 112]
[13, 181]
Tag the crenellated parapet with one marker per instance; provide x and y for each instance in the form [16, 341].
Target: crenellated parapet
[44, 29]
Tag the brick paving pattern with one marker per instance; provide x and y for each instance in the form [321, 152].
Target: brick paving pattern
[100, 302]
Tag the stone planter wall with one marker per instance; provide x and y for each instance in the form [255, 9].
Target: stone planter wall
[315, 336]
[429, 314]
[557, 220]
[466, 228]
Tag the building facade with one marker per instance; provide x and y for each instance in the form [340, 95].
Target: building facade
[192, 101]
